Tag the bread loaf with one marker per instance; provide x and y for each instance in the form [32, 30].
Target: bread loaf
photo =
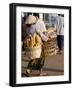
[33, 41]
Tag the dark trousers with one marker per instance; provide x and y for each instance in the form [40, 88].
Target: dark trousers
[39, 63]
[60, 41]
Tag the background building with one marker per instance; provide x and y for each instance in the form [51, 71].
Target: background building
[48, 18]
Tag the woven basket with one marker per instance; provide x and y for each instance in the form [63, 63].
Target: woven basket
[33, 53]
[50, 47]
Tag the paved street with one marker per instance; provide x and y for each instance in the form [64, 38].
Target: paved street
[54, 65]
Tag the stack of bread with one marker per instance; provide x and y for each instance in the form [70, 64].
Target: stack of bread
[32, 46]
[32, 41]
[50, 47]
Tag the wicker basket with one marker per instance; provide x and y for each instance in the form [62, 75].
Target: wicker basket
[33, 53]
[50, 47]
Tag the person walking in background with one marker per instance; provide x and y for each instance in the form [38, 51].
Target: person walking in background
[60, 32]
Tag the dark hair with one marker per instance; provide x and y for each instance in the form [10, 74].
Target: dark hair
[61, 15]
[29, 13]
[36, 14]
[28, 25]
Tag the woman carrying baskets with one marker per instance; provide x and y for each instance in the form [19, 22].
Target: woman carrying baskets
[35, 37]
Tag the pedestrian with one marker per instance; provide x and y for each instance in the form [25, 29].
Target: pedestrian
[34, 27]
[60, 32]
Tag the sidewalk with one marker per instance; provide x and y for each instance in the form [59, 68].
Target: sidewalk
[54, 66]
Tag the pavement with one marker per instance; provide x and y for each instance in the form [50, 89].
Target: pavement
[54, 66]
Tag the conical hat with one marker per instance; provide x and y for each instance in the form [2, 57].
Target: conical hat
[30, 19]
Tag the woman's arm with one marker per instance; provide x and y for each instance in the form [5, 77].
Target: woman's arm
[42, 35]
